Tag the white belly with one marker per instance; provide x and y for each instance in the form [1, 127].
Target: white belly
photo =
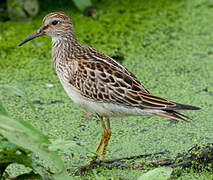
[102, 108]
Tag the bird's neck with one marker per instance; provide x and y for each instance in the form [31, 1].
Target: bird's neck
[63, 48]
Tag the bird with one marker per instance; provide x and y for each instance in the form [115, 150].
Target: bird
[98, 83]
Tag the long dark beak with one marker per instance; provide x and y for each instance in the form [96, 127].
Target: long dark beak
[37, 33]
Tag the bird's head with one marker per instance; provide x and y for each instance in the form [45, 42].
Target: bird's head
[56, 25]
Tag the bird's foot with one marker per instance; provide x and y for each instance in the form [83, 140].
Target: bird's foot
[90, 164]
[92, 160]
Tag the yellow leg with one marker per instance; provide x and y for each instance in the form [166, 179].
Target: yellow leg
[102, 140]
[106, 140]
[103, 136]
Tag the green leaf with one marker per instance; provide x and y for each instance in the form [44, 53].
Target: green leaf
[162, 173]
[12, 157]
[5, 144]
[59, 177]
[62, 145]
[18, 92]
[3, 110]
[25, 135]
[82, 4]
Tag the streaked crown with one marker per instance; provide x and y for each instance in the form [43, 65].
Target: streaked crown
[57, 24]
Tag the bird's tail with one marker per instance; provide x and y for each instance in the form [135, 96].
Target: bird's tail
[174, 115]
[185, 107]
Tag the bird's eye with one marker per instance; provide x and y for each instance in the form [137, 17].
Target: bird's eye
[54, 22]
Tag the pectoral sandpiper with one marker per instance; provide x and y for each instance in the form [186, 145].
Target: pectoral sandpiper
[97, 83]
